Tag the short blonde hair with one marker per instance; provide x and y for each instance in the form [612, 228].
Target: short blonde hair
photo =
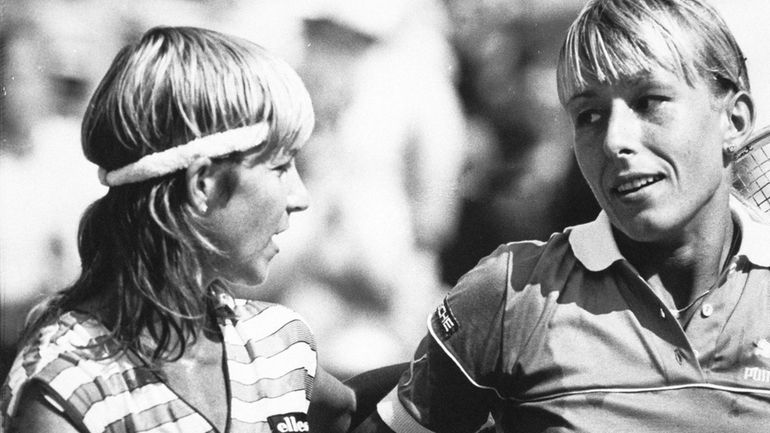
[613, 39]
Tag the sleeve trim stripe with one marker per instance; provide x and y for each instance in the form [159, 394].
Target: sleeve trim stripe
[396, 417]
[457, 362]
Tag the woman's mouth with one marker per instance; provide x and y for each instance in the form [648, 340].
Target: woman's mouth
[636, 184]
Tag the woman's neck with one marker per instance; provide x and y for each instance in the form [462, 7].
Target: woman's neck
[688, 266]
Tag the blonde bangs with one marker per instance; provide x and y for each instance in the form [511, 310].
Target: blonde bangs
[180, 85]
[291, 114]
[244, 86]
[607, 45]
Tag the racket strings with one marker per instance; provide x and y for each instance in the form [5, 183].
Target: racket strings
[752, 171]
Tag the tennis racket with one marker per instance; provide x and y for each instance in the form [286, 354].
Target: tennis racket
[752, 170]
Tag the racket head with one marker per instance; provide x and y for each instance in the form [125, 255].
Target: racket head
[751, 176]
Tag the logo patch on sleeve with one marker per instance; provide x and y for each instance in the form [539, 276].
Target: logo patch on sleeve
[293, 422]
[447, 323]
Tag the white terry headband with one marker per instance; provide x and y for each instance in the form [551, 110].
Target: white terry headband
[179, 157]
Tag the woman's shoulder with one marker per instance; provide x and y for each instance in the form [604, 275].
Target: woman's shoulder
[66, 354]
[73, 339]
[512, 266]
[498, 303]
[74, 335]
[517, 281]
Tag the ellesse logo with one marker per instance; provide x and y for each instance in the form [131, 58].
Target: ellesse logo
[294, 422]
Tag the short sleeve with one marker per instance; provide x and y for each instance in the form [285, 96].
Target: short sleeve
[469, 324]
[434, 395]
[448, 385]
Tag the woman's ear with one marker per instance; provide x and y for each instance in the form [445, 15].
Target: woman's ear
[740, 117]
[201, 184]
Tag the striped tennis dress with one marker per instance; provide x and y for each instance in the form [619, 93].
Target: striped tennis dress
[271, 365]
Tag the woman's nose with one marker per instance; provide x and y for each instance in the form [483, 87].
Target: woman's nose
[622, 132]
[298, 199]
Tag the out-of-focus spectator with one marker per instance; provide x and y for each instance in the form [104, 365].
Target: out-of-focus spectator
[382, 166]
[273, 24]
[526, 182]
[54, 53]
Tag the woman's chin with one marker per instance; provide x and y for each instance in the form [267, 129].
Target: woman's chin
[244, 286]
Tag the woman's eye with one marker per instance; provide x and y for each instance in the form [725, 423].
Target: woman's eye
[649, 103]
[587, 117]
[283, 168]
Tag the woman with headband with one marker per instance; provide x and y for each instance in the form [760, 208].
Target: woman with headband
[195, 134]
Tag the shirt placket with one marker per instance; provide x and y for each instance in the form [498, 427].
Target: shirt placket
[707, 323]
[673, 351]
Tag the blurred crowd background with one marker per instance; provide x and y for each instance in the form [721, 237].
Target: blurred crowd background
[438, 137]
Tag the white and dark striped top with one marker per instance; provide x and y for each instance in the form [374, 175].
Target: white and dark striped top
[271, 365]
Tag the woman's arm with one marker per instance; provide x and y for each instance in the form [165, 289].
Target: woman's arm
[39, 414]
[372, 386]
[340, 407]
[332, 405]
[435, 395]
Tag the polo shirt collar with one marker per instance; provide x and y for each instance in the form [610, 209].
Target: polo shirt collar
[594, 245]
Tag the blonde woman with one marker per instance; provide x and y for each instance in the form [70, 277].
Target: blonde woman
[655, 316]
[195, 133]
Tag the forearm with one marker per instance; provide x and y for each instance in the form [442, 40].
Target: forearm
[332, 405]
[372, 386]
[432, 396]
[339, 407]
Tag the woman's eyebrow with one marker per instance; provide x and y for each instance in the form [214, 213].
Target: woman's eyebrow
[643, 78]
[585, 94]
